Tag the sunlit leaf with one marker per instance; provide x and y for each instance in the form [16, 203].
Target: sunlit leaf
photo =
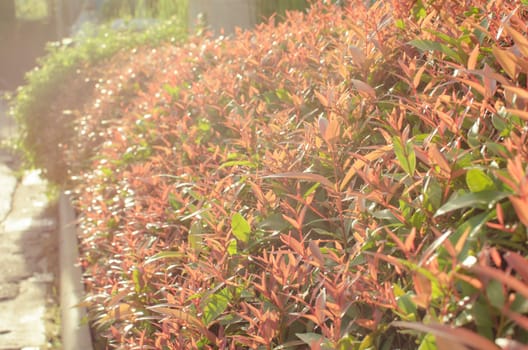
[364, 88]
[136, 277]
[232, 247]
[310, 339]
[195, 236]
[405, 154]
[118, 297]
[519, 39]
[432, 192]
[186, 318]
[469, 230]
[121, 311]
[436, 156]
[429, 45]
[316, 253]
[367, 343]
[407, 307]
[360, 163]
[400, 24]
[473, 56]
[164, 255]
[475, 85]
[418, 76]
[482, 199]
[215, 305]
[474, 134]
[507, 60]
[478, 181]
[460, 336]
[240, 227]
[428, 343]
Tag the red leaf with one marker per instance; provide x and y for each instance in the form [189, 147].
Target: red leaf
[364, 88]
[502, 277]
[519, 263]
[460, 336]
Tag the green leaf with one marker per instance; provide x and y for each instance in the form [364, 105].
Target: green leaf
[384, 214]
[361, 259]
[195, 236]
[405, 154]
[498, 122]
[483, 316]
[274, 222]
[419, 10]
[173, 91]
[496, 149]
[346, 342]
[429, 45]
[164, 255]
[136, 277]
[240, 227]
[311, 190]
[436, 288]
[367, 343]
[475, 225]
[407, 307]
[232, 247]
[240, 163]
[215, 305]
[283, 95]
[310, 338]
[478, 181]
[474, 135]
[495, 293]
[173, 202]
[397, 290]
[432, 194]
[484, 199]
[204, 125]
[400, 24]
[428, 343]
[519, 305]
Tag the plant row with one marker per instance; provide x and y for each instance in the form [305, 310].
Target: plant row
[352, 178]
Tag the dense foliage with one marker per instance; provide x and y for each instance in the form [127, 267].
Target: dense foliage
[352, 178]
[57, 86]
[163, 9]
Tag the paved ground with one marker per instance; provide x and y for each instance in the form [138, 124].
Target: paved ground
[28, 230]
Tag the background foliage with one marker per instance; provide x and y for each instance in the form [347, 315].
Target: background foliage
[162, 9]
[58, 81]
[352, 178]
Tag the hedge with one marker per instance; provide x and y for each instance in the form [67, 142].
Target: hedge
[352, 178]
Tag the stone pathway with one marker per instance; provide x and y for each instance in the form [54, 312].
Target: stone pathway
[27, 251]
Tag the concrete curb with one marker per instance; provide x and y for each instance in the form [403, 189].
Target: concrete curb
[75, 330]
